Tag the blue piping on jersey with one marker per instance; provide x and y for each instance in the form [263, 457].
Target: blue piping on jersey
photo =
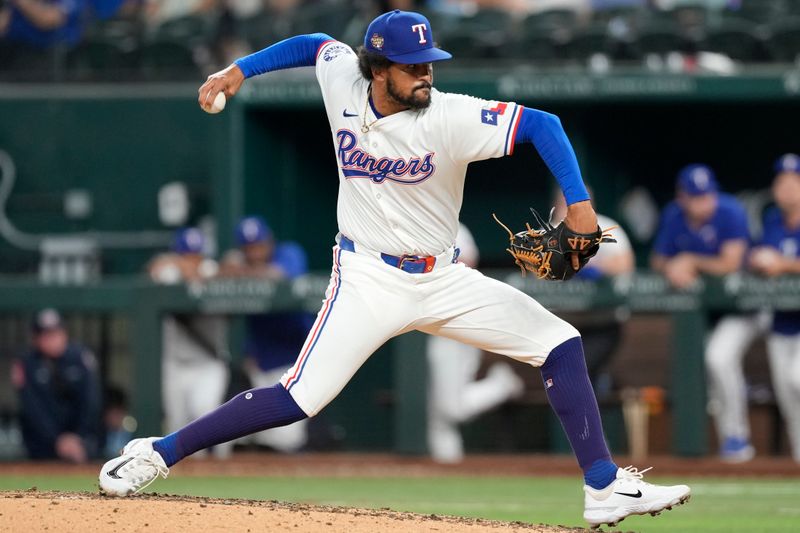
[374, 109]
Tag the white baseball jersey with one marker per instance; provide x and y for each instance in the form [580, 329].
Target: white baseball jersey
[400, 190]
[401, 183]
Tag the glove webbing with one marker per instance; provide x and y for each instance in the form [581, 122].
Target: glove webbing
[533, 256]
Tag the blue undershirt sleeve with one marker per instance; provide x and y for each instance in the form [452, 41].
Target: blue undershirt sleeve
[547, 135]
[299, 51]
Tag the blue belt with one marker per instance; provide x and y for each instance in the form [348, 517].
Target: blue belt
[413, 264]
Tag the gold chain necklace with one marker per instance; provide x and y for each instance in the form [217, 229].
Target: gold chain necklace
[364, 126]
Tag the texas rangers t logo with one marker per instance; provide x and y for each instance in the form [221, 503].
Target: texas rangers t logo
[419, 28]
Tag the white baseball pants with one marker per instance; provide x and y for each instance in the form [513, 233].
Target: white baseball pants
[368, 302]
[455, 396]
[727, 392]
[784, 362]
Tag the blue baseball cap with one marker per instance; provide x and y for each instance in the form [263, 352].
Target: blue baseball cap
[697, 179]
[788, 163]
[252, 229]
[403, 37]
[188, 241]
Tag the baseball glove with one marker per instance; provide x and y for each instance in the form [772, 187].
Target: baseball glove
[546, 251]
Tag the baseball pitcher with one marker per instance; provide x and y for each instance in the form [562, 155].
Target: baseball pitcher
[402, 149]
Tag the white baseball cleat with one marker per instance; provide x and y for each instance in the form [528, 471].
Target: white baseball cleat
[629, 495]
[137, 467]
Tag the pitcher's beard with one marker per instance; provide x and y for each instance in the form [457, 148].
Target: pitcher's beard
[416, 101]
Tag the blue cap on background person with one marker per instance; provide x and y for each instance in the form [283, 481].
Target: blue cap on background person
[188, 241]
[403, 37]
[252, 229]
[697, 179]
[788, 163]
[46, 320]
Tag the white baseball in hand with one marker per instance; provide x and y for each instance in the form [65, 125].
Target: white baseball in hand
[218, 104]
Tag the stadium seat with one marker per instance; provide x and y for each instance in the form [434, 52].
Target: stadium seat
[100, 60]
[262, 30]
[466, 44]
[629, 14]
[487, 20]
[192, 30]
[659, 38]
[735, 39]
[534, 48]
[584, 44]
[557, 24]
[784, 42]
[168, 61]
[760, 11]
[542, 36]
[324, 17]
[21, 63]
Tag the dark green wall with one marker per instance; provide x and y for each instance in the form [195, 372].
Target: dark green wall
[121, 149]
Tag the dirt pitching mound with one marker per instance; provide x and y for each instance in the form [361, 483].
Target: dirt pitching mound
[35, 511]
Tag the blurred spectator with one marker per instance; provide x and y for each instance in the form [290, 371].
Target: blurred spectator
[158, 12]
[248, 25]
[273, 340]
[454, 395]
[706, 4]
[778, 254]
[601, 329]
[42, 23]
[580, 7]
[35, 34]
[705, 231]
[185, 262]
[59, 397]
[194, 346]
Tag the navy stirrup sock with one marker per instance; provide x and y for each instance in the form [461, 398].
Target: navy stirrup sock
[248, 412]
[571, 396]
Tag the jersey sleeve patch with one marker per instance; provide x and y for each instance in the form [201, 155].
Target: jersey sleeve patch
[490, 115]
[330, 50]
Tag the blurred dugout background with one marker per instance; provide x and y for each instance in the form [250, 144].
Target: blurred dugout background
[100, 131]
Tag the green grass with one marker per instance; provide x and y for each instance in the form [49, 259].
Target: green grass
[729, 505]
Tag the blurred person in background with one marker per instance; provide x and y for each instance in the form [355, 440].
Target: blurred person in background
[601, 329]
[194, 346]
[31, 29]
[158, 12]
[272, 340]
[454, 395]
[777, 254]
[704, 231]
[57, 384]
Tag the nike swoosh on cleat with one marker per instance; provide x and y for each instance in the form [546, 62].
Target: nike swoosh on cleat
[113, 473]
[637, 494]
[346, 114]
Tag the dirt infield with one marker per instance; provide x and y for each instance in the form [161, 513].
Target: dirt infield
[37, 511]
[34, 511]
